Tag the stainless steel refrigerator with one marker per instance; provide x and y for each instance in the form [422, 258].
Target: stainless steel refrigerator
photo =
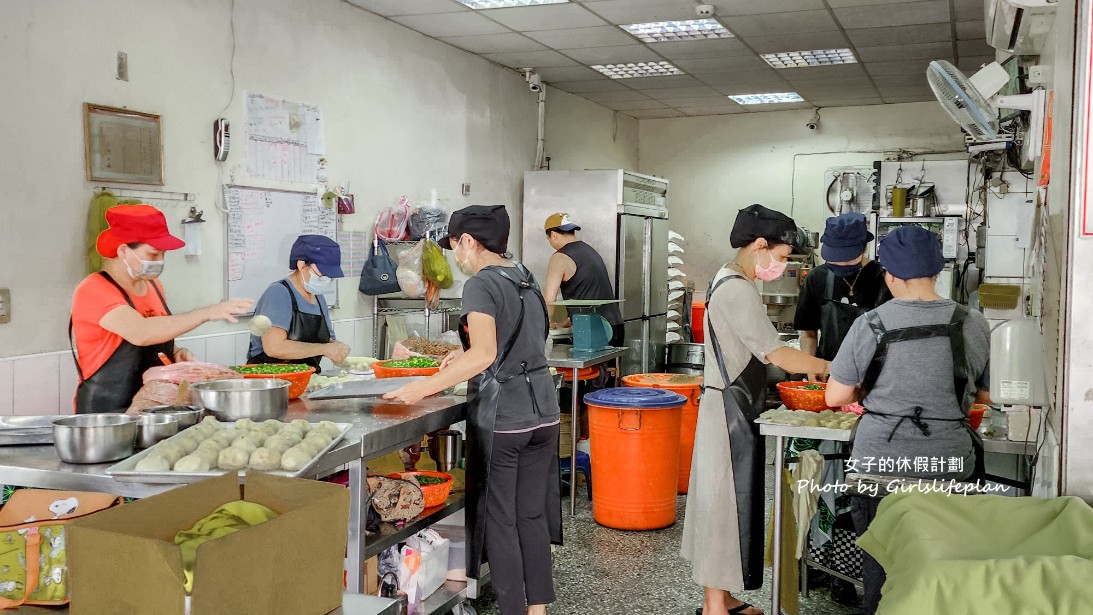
[624, 216]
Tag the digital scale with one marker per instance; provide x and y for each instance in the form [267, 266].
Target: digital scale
[591, 331]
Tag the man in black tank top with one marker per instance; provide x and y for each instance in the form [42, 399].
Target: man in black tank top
[578, 272]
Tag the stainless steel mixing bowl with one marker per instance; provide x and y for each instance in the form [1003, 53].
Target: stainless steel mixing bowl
[94, 438]
[254, 398]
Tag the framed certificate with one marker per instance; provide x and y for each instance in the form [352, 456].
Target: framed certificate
[122, 146]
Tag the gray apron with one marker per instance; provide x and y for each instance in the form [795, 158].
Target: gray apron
[744, 400]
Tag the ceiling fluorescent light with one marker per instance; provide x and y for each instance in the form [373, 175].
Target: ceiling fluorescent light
[767, 99]
[637, 69]
[816, 57]
[503, 4]
[689, 30]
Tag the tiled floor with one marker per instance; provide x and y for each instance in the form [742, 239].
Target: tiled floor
[609, 572]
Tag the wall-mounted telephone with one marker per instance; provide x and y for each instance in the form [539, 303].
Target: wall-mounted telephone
[221, 139]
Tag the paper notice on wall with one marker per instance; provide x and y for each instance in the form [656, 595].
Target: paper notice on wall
[284, 139]
[236, 262]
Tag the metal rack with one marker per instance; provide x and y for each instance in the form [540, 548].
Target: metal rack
[394, 305]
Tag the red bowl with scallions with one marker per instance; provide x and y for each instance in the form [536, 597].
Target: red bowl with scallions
[414, 366]
[799, 395]
[297, 375]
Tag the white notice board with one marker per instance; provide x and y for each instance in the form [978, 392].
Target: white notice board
[262, 225]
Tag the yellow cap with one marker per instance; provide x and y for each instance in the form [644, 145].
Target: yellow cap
[561, 222]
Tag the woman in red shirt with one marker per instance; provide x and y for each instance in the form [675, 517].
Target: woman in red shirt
[120, 319]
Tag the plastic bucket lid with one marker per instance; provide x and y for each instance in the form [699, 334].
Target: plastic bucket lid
[634, 397]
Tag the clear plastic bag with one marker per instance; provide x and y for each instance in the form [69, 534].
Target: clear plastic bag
[392, 224]
[410, 278]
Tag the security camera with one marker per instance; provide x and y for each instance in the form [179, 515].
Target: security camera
[814, 123]
[535, 83]
[705, 10]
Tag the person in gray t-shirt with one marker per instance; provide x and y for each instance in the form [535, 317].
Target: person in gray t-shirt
[915, 419]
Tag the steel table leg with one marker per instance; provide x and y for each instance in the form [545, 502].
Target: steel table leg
[776, 573]
[354, 551]
[573, 455]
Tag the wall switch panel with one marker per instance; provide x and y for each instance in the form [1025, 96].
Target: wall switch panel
[5, 305]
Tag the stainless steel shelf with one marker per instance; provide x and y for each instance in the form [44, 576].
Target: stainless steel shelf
[389, 535]
[446, 598]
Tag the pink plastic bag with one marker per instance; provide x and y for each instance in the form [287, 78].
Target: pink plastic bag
[392, 224]
[189, 371]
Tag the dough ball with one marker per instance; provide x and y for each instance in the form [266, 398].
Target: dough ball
[188, 445]
[318, 439]
[170, 451]
[224, 438]
[295, 459]
[153, 463]
[245, 424]
[210, 445]
[311, 446]
[233, 458]
[210, 422]
[301, 424]
[271, 426]
[265, 459]
[209, 455]
[329, 428]
[245, 444]
[192, 463]
[256, 437]
[292, 436]
[278, 443]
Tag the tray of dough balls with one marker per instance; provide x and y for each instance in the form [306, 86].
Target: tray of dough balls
[212, 448]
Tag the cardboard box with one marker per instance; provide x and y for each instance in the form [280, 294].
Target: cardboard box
[124, 560]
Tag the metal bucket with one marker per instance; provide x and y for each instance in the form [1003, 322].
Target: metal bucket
[685, 358]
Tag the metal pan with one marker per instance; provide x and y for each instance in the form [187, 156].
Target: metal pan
[18, 430]
[126, 470]
[361, 388]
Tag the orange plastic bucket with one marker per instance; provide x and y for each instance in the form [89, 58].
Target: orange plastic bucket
[691, 388]
[698, 321]
[635, 456]
[583, 374]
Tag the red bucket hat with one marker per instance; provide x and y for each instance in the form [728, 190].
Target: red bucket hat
[135, 223]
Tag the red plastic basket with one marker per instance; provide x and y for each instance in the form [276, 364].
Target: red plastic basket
[380, 369]
[796, 397]
[435, 495]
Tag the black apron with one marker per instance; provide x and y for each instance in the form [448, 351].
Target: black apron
[836, 317]
[963, 385]
[112, 387]
[483, 394]
[744, 401]
[310, 328]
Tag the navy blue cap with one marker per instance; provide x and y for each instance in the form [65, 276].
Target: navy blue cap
[635, 397]
[910, 252]
[845, 237]
[318, 250]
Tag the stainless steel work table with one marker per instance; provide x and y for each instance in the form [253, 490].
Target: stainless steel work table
[563, 357]
[780, 432]
[379, 427]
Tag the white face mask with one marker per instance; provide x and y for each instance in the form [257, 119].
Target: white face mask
[147, 270]
[463, 265]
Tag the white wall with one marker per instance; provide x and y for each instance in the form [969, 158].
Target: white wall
[720, 164]
[403, 114]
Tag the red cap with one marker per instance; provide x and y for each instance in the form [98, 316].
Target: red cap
[135, 223]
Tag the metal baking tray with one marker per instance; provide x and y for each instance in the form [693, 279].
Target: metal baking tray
[361, 388]
[17, 430]
[126, 470]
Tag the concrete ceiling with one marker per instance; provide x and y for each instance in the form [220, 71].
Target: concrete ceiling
[893, 40]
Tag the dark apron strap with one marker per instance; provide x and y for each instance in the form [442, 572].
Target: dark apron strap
[128, 299]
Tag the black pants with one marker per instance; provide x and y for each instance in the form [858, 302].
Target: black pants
[863, 510]
[517, 535]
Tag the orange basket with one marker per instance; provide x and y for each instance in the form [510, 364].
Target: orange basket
[435, 495]
[975, 415]
[297, 381]
[382, 371]
[796, 397]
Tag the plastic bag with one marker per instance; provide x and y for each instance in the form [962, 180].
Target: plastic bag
[410, 278]
[425, 219]
[392, 224]
[189, 371]
[435, 266]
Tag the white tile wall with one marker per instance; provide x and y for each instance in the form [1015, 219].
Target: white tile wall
[36, 385]
[46, 383]
[7, 387]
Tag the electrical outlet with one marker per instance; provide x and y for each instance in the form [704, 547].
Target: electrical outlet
[5, 305]
[122, 71]
[466, 189]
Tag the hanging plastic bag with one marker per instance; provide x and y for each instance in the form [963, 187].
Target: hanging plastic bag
[410, 278]
[432, 295]
[392, 224]
[425, 219]
[435, 266]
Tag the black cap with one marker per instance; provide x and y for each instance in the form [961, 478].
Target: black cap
[755, 221]
[488, 224]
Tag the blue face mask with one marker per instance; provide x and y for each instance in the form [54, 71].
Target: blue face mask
[319, 284]
[844, 271]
